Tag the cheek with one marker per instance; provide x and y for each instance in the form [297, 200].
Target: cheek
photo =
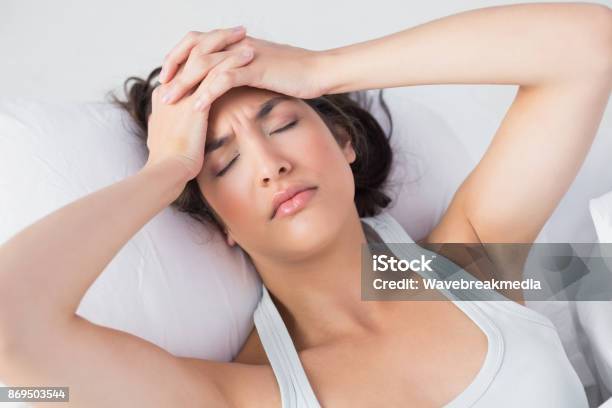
[323, 154]
[229, 201]
[324, 159]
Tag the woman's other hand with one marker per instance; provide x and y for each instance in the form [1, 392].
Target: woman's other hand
[177, 133]
[214, 62]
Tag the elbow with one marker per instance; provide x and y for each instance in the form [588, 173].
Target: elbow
[582, 44]
[21, 336]
[599, 21]
[8, 337]
[16, 319]
[605, 22]
[8, 346]
[13, 350]
[7, 340]
[24, 328]
[17, 327]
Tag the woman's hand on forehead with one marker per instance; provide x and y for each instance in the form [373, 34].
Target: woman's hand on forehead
[211, 63]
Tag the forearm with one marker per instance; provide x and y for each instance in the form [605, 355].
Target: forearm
[46, 268]
[525, 44]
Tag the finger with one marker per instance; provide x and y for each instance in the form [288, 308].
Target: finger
[218, 84]
[178, 54]
[162, 89]
[192, 72]
[238, 59]
[219, 39]
[156, 95]
[206, 42]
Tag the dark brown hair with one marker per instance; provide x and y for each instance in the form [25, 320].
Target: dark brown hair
[347, 116]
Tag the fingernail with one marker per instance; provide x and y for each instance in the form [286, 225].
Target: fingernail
[246, 54]
[162, 75]
[166, 98]
[238, 28]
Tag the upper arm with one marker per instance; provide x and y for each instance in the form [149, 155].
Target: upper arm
[533, 159]
[537, 151]
[104, 367]
[538, 148]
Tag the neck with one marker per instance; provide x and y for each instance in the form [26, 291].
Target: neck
[319, 297]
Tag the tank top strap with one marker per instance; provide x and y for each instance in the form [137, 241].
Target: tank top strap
[391, 232]
[388, 228]
[394, 235]
[293, 383]
[296, 391]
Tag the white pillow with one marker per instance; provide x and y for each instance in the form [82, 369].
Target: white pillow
[601, 212]
[191, 298]
[167, 284]
[430, 162]
[595, 316]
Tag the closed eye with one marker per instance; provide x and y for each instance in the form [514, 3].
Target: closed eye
[289, 126]
[222, 172]
[286, 127]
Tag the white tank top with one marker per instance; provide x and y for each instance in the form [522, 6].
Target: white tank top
[525, 365]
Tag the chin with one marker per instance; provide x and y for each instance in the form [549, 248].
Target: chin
[309, 230]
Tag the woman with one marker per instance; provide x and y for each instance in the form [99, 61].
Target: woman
[339, 351]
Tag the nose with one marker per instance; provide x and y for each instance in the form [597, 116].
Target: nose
[269, 163]
[273, 174]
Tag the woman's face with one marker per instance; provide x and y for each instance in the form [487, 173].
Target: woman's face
[287, 144]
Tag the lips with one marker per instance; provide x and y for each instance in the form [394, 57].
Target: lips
[287, 194]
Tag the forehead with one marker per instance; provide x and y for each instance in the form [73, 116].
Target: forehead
[246, 100]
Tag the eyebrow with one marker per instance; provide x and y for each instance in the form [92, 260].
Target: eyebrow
[264, 110]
